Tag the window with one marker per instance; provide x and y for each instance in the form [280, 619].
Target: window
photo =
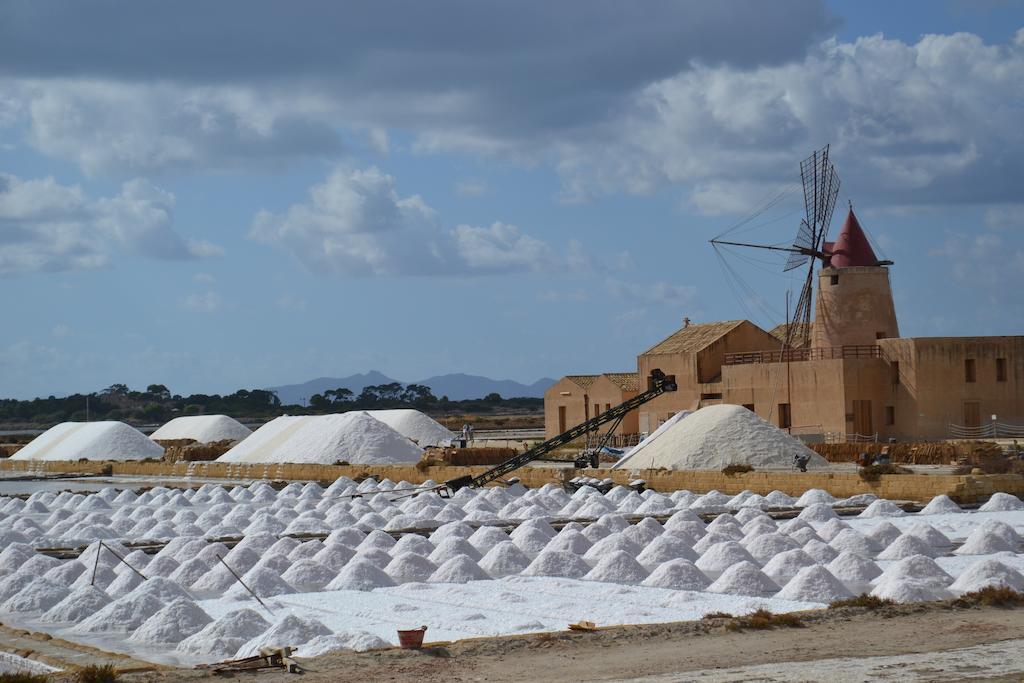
[969, 374]
[835, 280]
[561, 419]
[894, 372]
[785, 419]
[749, 406]
[890, 416]
[1000, 369]
[607, 407]
[597, 409]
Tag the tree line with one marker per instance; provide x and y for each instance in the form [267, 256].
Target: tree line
[157, 404]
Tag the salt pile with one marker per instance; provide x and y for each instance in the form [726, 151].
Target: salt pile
[916, 568]
[853, 570]
[172, 624]
[78, 605]
[999, 502]
[819, 551]
[291, 630]
[716, 436]
[360, 575]
[504, 559]
[106, 440]
[263, 581]
[357, 641]
[906, 546]
[814, 584]
[940, 505]
[744, 578]
[882, 508]
[222, 638]
[458, 569]
[784, 566]
[908, 590]
[557, 563]
[986, 573]
[618, 567]
[352, 437]
[678, 575]
[308, 575]
[766, 546]
[721, 556]
[665, 548]
[408, 566]
[853, 542]
[414, 425]
[203, 429]
[38, 596]
[983, 541]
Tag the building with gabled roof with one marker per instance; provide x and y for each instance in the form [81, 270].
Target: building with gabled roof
[854, 376]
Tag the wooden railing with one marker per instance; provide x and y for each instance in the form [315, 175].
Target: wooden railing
[793, 355]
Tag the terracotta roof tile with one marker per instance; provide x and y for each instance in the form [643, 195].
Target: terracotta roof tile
[627, 381]
[779, 332]
[693, 338]
[582, 380]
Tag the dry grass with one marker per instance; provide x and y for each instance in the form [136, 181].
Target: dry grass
[23, 678]
[717, 615]
[993, 596]
[95, 673]
[762, 619]
[863, 600]
[736, 468]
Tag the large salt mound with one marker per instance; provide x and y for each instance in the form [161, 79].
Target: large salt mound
[458, 569]
[983, 541]
[906, 546]
[105, 440]
[853, 570]
[408, 566]
[504, 559]
[720, 435]
[908, 590]
[985, 573]
[172, 624]
[353, 437]
[784, 566]
[719, 557]
[202, 428]
[814, 584]
[882, 508]
[38, 596]
[916, 568]
[414, 425]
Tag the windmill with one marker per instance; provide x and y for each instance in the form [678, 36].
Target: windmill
[821, 187]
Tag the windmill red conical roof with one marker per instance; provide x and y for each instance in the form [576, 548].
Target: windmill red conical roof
[851, 247]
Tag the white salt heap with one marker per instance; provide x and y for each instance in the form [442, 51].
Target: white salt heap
[409, 566]
[458, 569]
[222, 638]
[618, 567]
[678, 575]
[202, 428]
[985, 573]
[172, 624]
[983, 541]
[940, 505]
[716, 436]
[999, 502]
[352, 437]
[290, 630]
[504, 559]
[882, 508]
[784, 566]
[78, 605]
[557, 563]
[104, 440]
[814, 584]
[744, 578]
[414, 425]
[360, 575]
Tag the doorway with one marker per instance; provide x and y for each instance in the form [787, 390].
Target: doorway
[972, 414]
[561, 419]
[862, 423]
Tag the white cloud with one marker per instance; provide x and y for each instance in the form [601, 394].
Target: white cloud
[355, 223]
[1005, 216]
[202, 302]
[204, 278]
[52, 227]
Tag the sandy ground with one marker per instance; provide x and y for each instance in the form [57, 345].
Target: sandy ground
[933, 642]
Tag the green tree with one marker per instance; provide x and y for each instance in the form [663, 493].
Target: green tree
[159, 392]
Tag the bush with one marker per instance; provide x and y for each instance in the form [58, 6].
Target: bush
[763, 619]
[736, 468]
[862, 600]
[22, 677]
[993, 596]
[874, 472]
[95, 673]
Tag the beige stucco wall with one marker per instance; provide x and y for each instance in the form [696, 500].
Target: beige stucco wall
[579, 404]
[856, 309]
[814, 390]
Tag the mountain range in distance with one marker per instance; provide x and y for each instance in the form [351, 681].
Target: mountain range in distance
[457, 386]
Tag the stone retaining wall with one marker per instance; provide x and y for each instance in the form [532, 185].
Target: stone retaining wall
[917, 487]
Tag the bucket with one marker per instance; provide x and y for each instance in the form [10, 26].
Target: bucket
[411, 639]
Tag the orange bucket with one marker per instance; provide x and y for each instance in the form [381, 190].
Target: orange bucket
[411, 639]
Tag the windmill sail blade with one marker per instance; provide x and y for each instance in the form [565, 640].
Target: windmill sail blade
[821, 188]
[803, 240]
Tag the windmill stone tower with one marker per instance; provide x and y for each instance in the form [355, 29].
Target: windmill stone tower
[854, 304]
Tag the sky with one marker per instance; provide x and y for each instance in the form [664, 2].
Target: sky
[241, 194]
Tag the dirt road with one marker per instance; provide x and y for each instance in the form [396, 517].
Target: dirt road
[933, 642]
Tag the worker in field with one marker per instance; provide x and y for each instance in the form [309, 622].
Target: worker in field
[800, 461]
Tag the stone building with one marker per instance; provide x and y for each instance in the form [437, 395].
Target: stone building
[856, 377]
